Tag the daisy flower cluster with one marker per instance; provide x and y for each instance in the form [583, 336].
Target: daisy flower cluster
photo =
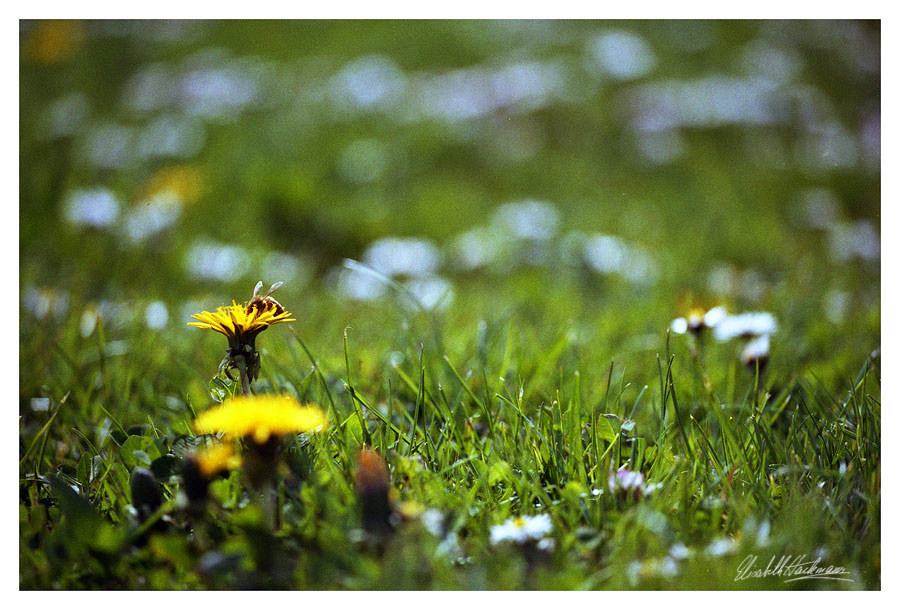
[524, 530]
[755, 327]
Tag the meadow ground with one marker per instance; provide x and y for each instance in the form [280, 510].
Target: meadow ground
[497, 241]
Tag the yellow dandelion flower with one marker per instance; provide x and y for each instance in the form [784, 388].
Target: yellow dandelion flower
[261, 417]
[216, 458]
[241, 322]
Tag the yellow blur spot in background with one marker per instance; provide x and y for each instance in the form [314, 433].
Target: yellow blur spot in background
[185, 182]
[54, 41]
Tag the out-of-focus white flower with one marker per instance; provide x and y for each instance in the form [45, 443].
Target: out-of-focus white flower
[478, 247]
[667, 567]
[152, 216]
[759, 532]
[215, 261]
[40, 302]
[629, 483]
[393, 256]
[354, 283]
[530, 219]
[836, 304]
[637, 570]
[724, 546]
[363, 161]
[750, 324]
[431, 292]
[756, 352]
[620, 54]
[449, 547]
[697, 320]
[156, 315]
[854, 240]
[40, 404]
[548, 545]
[521, 529]
[679, 326]
[97, 207]
[370, 83]
[625, 479]
[715, 315]
[679, 551]
[112, 314]
[610, 254]
[433, 520]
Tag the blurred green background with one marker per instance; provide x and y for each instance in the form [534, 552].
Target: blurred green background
[607, 175]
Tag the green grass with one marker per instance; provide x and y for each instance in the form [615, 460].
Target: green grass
[507, 419]
[518, 398]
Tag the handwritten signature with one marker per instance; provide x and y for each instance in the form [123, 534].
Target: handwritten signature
[792, 568]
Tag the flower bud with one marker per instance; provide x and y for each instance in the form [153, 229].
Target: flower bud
[146, 496]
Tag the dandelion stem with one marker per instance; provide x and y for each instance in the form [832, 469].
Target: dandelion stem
[271, 506]
[278, 501]
[245, 378]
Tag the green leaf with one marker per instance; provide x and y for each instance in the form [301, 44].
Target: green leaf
[605, 429]
[83, 526]
[89, 468]
[139, 451]
[165, 467]
[141, 457]
[499, 471]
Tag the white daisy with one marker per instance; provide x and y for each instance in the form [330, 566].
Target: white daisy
[750, 324]
[521, 529]
[697, 320]
[756, 351]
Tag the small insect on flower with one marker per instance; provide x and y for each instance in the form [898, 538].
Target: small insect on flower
[265, 302]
